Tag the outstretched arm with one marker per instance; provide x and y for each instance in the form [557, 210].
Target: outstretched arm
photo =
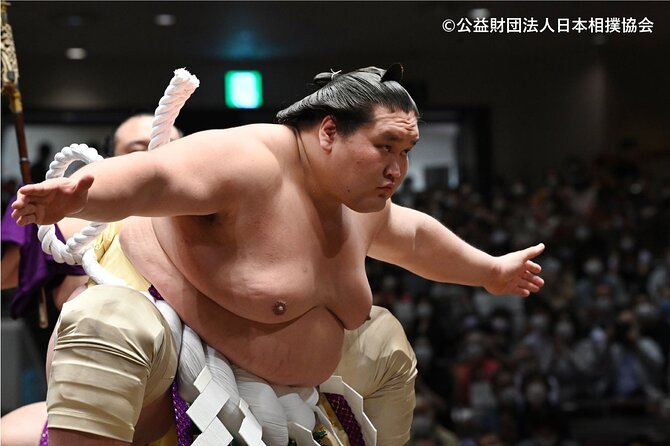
[421, 244]
[196, 175]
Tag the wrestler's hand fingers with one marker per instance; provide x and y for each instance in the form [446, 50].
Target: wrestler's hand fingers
[533, 267]
[531, 286]
[23, 211]
[20, 201]
[25, 220]
[537, 280]
[522, 292]
[32, 190]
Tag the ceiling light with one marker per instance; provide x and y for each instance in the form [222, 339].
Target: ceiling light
[75, 53]
[165, 19]
[479, 13]
[74, 20]
[599, 39]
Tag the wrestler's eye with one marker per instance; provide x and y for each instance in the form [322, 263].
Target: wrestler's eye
[385, 148]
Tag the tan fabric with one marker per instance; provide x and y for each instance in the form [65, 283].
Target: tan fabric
[379, 363]
[113, 353]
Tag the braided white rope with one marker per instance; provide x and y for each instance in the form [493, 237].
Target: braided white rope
[75, 250]
[181, 87]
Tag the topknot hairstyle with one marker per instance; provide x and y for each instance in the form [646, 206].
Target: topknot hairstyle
[350, 98]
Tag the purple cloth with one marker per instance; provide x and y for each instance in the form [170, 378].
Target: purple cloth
[346, 417]
[36, 268]
[44, 438]
[183, 422]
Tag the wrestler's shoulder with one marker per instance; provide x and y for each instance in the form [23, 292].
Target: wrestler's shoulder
[258, 139]
[266, 133]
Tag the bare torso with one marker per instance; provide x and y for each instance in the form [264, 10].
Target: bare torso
[271, 284]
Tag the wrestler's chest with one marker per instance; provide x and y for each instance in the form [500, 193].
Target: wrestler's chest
[291, 279]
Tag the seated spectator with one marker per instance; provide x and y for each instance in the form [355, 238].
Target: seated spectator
[636, 361]
[541, 421]
[506, 415]
[562, 363]
[474, 370]
[538, 337]
[426, 430]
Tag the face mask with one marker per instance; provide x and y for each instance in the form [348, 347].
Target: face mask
[404, 311]
[539, 323]
[507, 396]
[603, 304]
[536, 393]
[593, 267]
[422, 424]
[565, 330]
[499, 325]
[474, 350]
[499, 237]
[424, 310]
[627, 244]
[518, 189]
[499, 204]
[582, 233]
[424, 355]
[646, 311]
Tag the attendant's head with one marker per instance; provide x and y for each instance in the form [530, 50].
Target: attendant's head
[134, 135]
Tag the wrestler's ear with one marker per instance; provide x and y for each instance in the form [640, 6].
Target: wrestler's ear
[327, 133]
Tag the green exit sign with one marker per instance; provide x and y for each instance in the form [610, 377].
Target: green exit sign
[244, 89]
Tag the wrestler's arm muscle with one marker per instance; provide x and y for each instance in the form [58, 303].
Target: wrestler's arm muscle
[196, 175]
[421, 244]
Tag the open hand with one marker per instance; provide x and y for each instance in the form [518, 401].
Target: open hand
[516, 273]
[49, 201]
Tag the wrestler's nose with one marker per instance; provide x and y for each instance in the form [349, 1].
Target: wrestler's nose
[393, 169]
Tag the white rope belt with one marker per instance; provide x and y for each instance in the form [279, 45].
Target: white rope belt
[226, 402]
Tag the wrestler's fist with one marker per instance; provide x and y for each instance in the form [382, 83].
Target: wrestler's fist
[49, 201]
[516, 273]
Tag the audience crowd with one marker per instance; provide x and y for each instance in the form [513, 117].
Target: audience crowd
[583, 362]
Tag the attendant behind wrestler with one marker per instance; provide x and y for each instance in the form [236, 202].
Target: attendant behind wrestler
[132, 135]
[25, 425]
[266, 241]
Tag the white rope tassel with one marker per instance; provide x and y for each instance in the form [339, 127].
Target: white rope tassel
[72, 252]
[181, 87]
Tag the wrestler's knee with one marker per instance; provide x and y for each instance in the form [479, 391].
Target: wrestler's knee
[112, 355]
[112, 311]
[383, 339]
[379, 363]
